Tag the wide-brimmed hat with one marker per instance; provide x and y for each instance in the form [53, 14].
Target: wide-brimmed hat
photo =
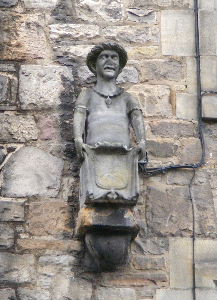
[95, 52]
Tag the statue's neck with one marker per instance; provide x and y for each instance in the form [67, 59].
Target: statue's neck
[106, 87]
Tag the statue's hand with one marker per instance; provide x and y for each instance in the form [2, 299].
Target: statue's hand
[79, 146]
[142, 150]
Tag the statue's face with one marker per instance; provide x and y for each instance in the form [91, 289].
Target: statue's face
[107, 64]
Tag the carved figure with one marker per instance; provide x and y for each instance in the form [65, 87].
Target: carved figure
[103, 118]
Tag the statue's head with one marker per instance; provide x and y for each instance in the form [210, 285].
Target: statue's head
[113, 51]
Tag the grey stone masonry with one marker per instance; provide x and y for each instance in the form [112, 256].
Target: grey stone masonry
[36, 167]
[16, 268]
[7, 294]
[17, 128]
[208, 39]
[8, 3]
[177, 32]
[11, 210]
[6, 236]
[174, 294]
[33, 294]
[41, 86]
[209, 107]
[40, 4]
[115, 293]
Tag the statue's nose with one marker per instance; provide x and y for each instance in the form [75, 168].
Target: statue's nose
[109, 60]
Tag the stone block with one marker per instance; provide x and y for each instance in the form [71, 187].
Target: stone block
[161, 148]
[134, 279]
[209, 107]
[48, 127]
[205, 250]
[3, 154]
[173, 129]
[177, 32]
[67, 54]
[161, 70]
[208, 5]
[174, 294]
[17, 128]
[206, 275]
[115, 293]
[7, 67]
[33, 294]
[71, 288]
[23, 37]
[180, 177]
[16, 269]
[145, 292]
[132, 34]
[117, 220]
[153, 246]
[41, 86]
[57, 260]
[4, 88]
[191, 151]
[208, 39]
[6, 236]
[186, 106]
[163, 3]
[91, 11]
[209, 73]
[154, 99]
[181, 263]
[30, 172]
[7, 294]
[139, 15]
[40, 244]
[204, 210]
[191, 76]
[129, 74]
[145, 262]
[40, 4]
[141, 52]
[168, 210]
[49, 218]
[8, 91]
[208, 294]
[63, 33]
[11, 210]
[8, 3]
[183, 3]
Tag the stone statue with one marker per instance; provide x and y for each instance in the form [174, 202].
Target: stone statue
[104, 115]
[102, 120]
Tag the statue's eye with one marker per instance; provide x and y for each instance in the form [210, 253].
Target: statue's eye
[103, 56]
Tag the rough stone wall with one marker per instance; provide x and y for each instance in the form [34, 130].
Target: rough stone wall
[43, 44]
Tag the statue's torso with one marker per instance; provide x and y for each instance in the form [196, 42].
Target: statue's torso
[107, 124]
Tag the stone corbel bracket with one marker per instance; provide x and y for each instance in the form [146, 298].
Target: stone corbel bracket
[107, 233]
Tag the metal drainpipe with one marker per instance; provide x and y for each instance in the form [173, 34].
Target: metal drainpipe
[200, 125]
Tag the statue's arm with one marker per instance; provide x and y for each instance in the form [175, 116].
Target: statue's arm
[137, 122]
[80, 114]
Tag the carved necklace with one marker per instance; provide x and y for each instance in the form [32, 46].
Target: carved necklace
[108, 98]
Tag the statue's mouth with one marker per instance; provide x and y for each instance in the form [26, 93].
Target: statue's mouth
[109, 68]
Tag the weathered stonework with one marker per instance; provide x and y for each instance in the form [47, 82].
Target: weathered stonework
[43, 46]
[6, 236]
[7, 294]
[16, 268]
[17, 128]
[41, 86]
[41, 170]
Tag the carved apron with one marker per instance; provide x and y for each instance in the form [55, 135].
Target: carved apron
[109, 172]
